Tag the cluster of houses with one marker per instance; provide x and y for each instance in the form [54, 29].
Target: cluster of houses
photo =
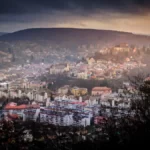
[76, 91]
[96, 69]
[40, 95]
[100, 69]
[59, 68]
[64, 109]
[123, 47]
[69, 105]
[5, 57]
[59, 112]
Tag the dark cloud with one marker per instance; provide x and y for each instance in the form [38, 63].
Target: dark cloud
[31, 6]
[109, 14]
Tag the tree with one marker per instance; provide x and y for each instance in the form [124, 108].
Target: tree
[13, 57]
[32, 58]
[10, 50]
[141, 97]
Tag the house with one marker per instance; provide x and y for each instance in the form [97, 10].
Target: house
[104, 51]
[2, 76]
[91, 60]
[35, 85]
[3, 85]
[63, 90]
[101, 91]
[117, 103]
[59, 68]
[76, 91]
[121, 48]
[38, 96]
[82, 75]
[65, 97]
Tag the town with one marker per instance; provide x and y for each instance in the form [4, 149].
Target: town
[74, 74]
[23, 82]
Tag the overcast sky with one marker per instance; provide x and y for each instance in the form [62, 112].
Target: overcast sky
[122, 15]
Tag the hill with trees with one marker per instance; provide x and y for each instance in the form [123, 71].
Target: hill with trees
[75, 36]
[2, 33]
[51, 43]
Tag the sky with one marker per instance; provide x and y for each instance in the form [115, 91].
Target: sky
[121, 15]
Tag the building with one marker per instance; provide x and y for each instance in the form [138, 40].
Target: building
[56, 113]
[3, 86]
[91, 61]
[39, 96]
[2, 76]
[59, 68]
[24, 111]
[121, 48]
[117, 103]
[76, 91]
[101, 91]
[63, 90]
[82, 75]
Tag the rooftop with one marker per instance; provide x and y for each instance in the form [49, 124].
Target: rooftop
[100, 89]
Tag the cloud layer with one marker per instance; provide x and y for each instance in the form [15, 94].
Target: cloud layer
[110, 14]
[26, 6]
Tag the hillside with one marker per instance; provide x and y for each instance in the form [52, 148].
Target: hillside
[2, 33]
[75, 36]
[63, 44]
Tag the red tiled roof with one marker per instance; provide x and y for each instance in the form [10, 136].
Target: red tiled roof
[8, 106]
[101, 89]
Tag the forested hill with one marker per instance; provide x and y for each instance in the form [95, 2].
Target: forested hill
[75, 36]
[2, 33]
